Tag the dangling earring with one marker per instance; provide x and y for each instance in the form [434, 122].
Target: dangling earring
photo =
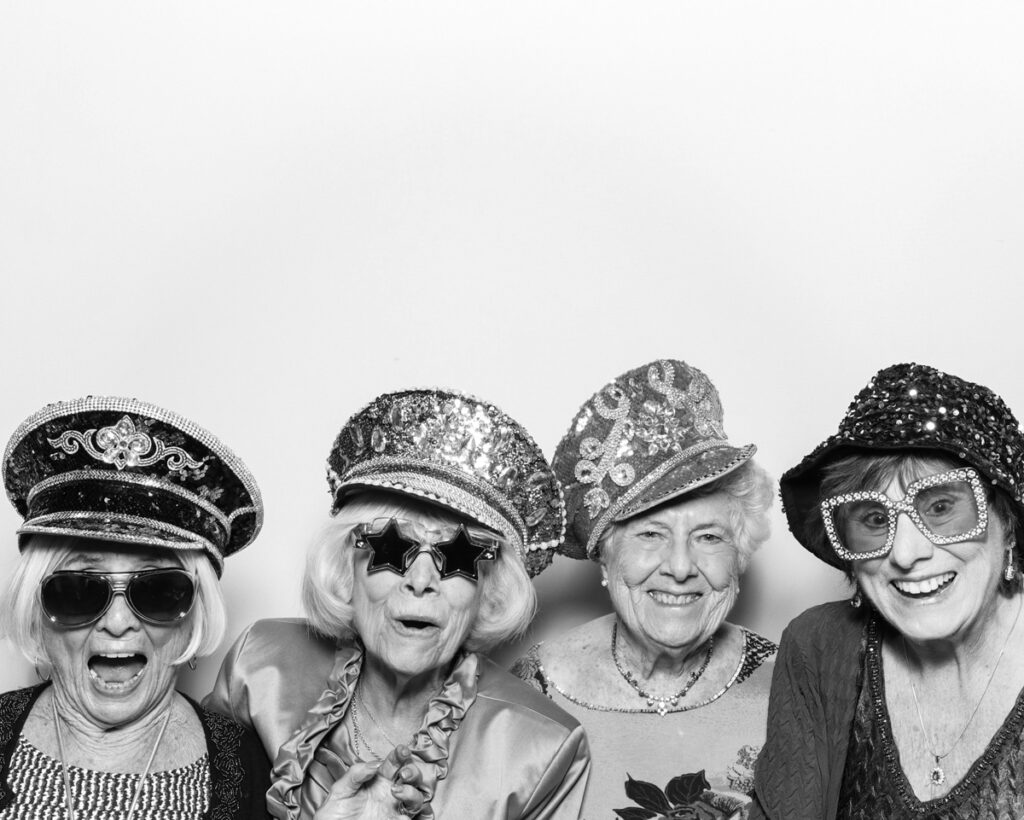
[857, 599]
[40, 675]
[192, 663]
[604, 582]
[1010, 572]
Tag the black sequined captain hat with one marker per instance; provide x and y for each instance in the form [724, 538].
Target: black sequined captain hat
[910, 407]
[126, 471]
[651, 435]
[459, 452]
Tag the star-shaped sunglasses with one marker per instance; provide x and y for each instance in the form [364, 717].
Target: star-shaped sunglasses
[394, 545]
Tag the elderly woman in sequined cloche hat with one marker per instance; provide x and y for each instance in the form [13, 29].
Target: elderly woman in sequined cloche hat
[907, 703]
[673, 697]
[381, 703]
[129, 512]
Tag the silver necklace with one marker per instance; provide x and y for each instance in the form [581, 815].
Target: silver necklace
[69, 805]
[662, 704]
[357, 734]
[937, 776]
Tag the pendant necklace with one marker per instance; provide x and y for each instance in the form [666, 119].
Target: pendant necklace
[662, 704]
[69, 805]
[937, 776]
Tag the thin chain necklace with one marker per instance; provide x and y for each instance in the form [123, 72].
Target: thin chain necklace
[357, 733]
[662, 704]
[937, 776]
[69, 805]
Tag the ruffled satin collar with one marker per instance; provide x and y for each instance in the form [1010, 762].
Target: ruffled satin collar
[445, 712]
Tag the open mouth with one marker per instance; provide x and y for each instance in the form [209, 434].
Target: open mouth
[674, 599]
[416, 625]
[117, 670]
[924, 588]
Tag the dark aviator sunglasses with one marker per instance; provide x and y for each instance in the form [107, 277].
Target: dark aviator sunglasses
[75, 598]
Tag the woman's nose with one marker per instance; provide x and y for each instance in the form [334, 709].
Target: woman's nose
[678, 561]
[910, 545]
[422, 576]
[119, 617]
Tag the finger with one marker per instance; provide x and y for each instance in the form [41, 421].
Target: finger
[354, 779]
[410, 799]
[409, 774]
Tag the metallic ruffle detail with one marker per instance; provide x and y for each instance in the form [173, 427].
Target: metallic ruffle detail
[445, 712]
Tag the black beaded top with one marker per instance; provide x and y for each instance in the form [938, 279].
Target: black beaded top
[911, 407]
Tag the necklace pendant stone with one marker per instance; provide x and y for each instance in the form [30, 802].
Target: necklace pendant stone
[936, 777]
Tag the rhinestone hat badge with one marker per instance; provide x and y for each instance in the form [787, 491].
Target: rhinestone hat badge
[123, 470]
[910, 407]
[652, 434]
[460, 452]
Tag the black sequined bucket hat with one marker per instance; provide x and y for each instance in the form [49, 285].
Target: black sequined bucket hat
[126, 471]
[459, 452]
[909, 407]
[651, 435]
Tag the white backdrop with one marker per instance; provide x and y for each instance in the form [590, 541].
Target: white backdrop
[263, 214]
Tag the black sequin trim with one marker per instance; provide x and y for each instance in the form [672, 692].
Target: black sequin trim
[224, 738]
[756, 650]
[12, 707]
[528, 668]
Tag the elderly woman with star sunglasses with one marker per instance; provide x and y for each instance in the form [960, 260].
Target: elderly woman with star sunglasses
[116, 590]
[381, 704]
[907, 703]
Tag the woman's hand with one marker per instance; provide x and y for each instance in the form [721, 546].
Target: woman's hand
[385, 790]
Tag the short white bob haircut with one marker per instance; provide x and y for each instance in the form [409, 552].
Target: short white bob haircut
[22, 619]
[507, 598]
[750, 491]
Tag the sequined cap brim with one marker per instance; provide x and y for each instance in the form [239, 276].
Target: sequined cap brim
[121, 530]
[685, 472]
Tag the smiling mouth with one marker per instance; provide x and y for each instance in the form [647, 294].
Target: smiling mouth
[671, 599]
[116, 671]
[926, 588]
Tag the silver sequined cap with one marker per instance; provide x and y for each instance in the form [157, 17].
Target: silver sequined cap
[910, 407]
[460, 452]
[651, 435]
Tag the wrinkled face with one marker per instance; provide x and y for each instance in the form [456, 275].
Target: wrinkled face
[934, 592]
[116, 670]
[673, 572]
[414, 623]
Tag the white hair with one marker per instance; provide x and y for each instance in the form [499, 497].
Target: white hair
[750, 490]
[22, 620]
[507, 598]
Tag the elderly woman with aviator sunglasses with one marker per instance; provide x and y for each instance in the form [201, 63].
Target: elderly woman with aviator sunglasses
[910, 702]
[129, 511]
[380, 705]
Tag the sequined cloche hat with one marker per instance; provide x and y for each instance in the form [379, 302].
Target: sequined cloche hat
[457, 451]
[652, 434]
[127, 471]
[909, 407]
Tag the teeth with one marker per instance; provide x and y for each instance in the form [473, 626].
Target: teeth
[673, 600]
[925, 587]
[116, 654]
[114, 686]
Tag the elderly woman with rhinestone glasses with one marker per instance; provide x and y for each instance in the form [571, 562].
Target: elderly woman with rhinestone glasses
[381, 703]
[673, 697]
[907, 700]
[129, 511]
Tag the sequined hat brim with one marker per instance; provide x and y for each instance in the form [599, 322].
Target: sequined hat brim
[120, 529]
[432, 488]
[688, 470]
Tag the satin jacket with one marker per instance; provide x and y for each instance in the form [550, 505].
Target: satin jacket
[493, 746]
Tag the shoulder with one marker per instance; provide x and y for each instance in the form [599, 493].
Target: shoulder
[14, 703]
[571, 658]
[826, 625]
[285, 643]
[501, 691]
